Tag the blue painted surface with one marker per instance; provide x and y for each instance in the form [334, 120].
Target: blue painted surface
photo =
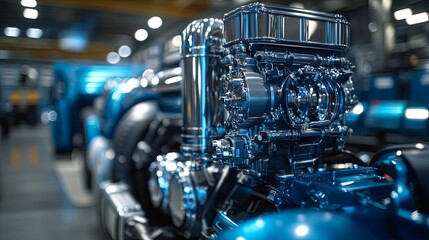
[76, 86]
[119, 101]
[300, 224]
[385, 115]
[383, 87]
[419, 92]
[92, 128]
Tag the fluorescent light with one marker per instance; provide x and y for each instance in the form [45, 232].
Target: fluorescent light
[34, 33]
[12, 31]
[113, 58]
[403, 14]
[141, 35]
[154, 22]
[124, 51]
[417, 113]
[29, 3]
[31, 13]
[417, 18]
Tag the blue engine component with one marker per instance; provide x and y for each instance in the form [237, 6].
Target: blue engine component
[76, 86]
[262, 140]
[113, 131]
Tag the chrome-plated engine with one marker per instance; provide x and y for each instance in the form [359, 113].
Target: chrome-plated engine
[285, 103]
[264, 92]
[264, 95]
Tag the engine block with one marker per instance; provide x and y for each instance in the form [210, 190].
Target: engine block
[264, 95]
[284, 101]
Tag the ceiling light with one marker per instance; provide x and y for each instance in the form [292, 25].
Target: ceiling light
[417, 113]
[176, 40]
[417, 18]
[124, 51]
[73, 40]
[29, 3]
[34, 33]
[12, 31]
[154, 22]
[402, 14]
[141, 35]
[113, 58]
[31, 13]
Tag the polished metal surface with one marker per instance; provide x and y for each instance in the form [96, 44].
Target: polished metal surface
[117, 207]
[274, 24]
[200, 59]
[173, 190]
[165, 81]
[282, 101]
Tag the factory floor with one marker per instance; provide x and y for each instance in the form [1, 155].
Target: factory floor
[41, 194]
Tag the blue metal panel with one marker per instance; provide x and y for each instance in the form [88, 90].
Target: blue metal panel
[419, 93]
[386, 115]
[382, 87]
[76, 86]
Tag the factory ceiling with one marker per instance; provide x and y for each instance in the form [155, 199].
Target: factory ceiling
[89, 29]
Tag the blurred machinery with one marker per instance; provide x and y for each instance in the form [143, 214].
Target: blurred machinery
[393, 106]
[76, 85]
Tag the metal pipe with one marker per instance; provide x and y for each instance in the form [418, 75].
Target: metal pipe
[200, 60]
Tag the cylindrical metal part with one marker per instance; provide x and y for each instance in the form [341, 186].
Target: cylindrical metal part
[200, 60]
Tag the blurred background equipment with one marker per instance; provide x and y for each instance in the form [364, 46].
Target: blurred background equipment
[75, 86]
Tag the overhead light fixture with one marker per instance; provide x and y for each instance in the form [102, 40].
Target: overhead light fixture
[154, 22]
[113, 58]
[402, 14]
[124, 51]
[34, 33]
[176, 41]
[12, 31]
[29, 3]
[73, 40]
[141, 35]
[417, 18]
[417, 113]
[31, 13]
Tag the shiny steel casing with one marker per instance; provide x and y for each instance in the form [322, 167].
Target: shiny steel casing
[200, 59]
[118, 209]
[274, 24]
